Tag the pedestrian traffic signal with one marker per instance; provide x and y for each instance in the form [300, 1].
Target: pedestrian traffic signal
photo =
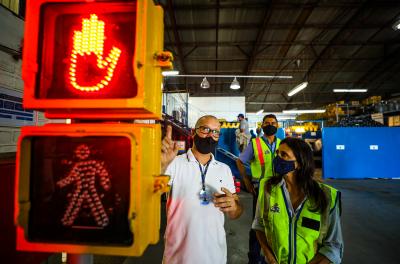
[94, 59]
[88, 188]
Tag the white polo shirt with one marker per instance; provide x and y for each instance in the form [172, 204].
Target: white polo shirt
[195, 233]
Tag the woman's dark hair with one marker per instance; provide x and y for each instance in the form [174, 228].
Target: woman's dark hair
[304, 174]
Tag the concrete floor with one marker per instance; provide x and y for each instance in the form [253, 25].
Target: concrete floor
[370, 220]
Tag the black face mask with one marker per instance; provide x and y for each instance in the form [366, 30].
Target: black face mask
[205, 145]
[269, 130]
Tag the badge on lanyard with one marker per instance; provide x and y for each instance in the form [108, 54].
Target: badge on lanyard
[204, 195]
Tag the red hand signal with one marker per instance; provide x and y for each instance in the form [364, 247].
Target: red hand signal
[89, 42]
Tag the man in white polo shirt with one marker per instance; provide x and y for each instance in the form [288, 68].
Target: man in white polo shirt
[202, 190]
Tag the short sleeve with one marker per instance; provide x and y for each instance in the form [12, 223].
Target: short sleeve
[332, 245]
[230, 184]
[243, 124]
[258, 223]
[248, 154]
[171, 171]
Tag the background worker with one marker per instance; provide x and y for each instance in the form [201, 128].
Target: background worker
[259, 153]
[244, 132]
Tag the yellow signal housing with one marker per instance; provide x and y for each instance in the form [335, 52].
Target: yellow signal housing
[131, 85]
[129, 155]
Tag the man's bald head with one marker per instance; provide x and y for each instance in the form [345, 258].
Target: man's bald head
[205, 120]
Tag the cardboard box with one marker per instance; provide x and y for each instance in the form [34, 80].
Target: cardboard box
[391, 121]
[396, 120]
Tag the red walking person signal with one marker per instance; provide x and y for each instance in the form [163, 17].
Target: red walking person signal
[83, 176]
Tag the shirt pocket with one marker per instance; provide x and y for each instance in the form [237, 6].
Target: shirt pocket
[307, 233]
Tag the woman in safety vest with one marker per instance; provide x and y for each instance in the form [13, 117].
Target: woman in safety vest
[297, 218]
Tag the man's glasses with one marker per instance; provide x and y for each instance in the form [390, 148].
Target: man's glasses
[207, 130]
[266, 123]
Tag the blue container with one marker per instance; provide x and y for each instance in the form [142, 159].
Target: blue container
[363, 152]
[227, 141]
[230, 160]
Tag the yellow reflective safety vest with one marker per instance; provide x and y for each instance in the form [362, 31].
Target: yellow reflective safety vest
[263, 156]
[295, 239]
[261, 165]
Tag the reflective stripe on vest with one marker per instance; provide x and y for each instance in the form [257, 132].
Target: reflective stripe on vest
[295, 238]
[260, 149]
[255, 164]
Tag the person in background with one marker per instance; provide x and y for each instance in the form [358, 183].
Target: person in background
[202, 190]
[259, 153]
[259, 131]
[244, 134]
[253, 135]
[297, 218]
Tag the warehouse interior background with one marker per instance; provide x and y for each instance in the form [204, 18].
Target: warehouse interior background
[344, 54]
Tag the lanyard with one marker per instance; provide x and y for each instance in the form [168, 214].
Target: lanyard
[203, 174]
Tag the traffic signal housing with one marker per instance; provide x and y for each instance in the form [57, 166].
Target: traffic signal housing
[94, 59]
[88, 188]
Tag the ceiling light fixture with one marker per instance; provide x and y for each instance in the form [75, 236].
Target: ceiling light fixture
[308, 111]
[260, 112]
[235, 85]
[169, 73]
[236, 76]
[350, 90]
[298, 88]
[205, 84]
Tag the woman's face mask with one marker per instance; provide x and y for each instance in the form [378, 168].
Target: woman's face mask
[282, 166]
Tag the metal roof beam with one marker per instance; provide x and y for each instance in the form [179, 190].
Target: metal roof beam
[266, 58]
[333, 40]
[171, 14]
[284, 6]
[383, 27]
[283, 43]
[257, 43]
[279, 26]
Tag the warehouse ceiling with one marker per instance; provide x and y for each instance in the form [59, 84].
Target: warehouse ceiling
[332, 44]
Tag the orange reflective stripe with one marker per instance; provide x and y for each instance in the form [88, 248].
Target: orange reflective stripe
[260, 151]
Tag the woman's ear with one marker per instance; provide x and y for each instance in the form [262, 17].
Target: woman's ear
[296, 165]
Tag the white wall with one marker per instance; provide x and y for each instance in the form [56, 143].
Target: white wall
[221, 107]
[11, 32]
[254, 118]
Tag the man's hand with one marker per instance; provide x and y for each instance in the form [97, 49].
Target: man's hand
[169, 150]
[319, 259]
[249, 186]
[225, 201]
[246, 179]
[228, 202]
[271, 259]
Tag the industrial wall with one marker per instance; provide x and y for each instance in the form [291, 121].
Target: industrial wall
[221, 107]
[11, 85]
